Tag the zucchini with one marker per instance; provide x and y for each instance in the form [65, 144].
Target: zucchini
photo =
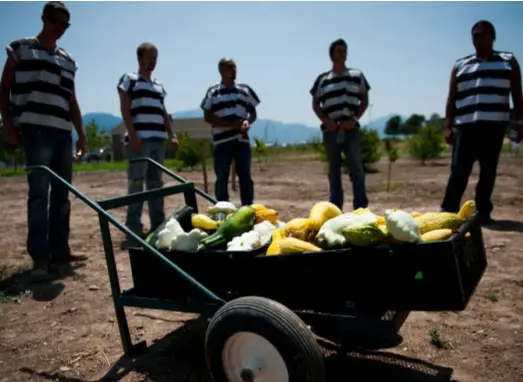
[241, 221]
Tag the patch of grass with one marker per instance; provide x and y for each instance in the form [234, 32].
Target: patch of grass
[492, 297]
[436, 340]
[393, 186]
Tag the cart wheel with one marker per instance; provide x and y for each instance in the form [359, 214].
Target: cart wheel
[254, 339]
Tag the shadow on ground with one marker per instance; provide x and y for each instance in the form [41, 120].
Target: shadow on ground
[18, 283]
[506, 226]
[179, 357]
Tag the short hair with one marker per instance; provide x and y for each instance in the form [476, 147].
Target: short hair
[335, 43]
[223, 61]
[143, 47]
[51, 7]
[487, 25]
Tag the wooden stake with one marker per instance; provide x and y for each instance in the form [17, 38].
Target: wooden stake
[204, 167]
[233, 175]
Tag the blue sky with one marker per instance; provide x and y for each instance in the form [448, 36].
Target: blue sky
[406, 50]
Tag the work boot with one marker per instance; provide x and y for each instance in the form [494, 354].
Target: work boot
[40, 271]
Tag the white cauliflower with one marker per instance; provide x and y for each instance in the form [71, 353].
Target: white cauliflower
[402, 226]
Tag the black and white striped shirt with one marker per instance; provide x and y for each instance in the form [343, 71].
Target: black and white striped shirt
[44, 84]
[147, 100]
[483, 89]
[229, 103]
[339, 94]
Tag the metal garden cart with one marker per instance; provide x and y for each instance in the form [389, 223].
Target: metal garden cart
[263, 310]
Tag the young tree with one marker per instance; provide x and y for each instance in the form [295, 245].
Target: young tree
[393, 125]
[393, 155]
[427, 144]
[413, 124]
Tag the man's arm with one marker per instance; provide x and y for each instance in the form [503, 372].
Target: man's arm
[6, 84]
[517, 93]
[76, 115]
[209, 117]
[451, 101]
[364, 101]
[168, 124]
[253, 102]
[125, 103]
[316, 107]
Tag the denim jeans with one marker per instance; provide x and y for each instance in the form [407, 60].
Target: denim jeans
[482, 143]
[223, 155]
[351, 148]
[139, 173]
[48, 216]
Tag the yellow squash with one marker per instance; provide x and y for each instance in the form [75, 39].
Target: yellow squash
[436, 235]
[298, 228]
[438, 220]
[264, 214]
[289, 245]
[274, 248]
[204, 222]
[320, 213]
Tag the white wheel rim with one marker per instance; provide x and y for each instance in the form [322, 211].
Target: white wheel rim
[248, 357]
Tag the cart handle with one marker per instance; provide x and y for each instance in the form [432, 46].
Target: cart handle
[124, 229]
[172, 174]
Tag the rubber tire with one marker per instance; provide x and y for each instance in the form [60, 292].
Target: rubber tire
[277, 324]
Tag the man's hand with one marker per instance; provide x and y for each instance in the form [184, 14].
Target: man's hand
[348, 125]
[174, 144]
[330, 125]
[11, 135]
[237, 124]
[449, 134]
[81, 146]
[135, 143]
[245, 126]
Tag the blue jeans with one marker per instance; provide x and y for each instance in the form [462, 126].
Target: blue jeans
[139, 173]
[48, 216]
[223, 155]
[351, 148]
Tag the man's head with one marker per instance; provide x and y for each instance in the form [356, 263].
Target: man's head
[338, 51]
[483, 35]
[227, 69]
[55, 17]
[147, 55]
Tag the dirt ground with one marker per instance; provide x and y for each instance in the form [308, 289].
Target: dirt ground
[66, 330]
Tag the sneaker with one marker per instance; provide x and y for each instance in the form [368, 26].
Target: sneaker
[130, 243]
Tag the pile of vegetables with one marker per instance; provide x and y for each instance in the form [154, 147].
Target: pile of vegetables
[222, 226]
[327, 227]
[247, 228]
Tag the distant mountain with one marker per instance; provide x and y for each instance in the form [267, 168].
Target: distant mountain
[269, 130]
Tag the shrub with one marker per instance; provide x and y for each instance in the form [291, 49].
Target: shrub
[427, 144]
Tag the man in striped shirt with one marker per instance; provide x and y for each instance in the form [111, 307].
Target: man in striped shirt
[148, 125]
[38, 104]
[340, 96]
[477, 117]
[230, 108]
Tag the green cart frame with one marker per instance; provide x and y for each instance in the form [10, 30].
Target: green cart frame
[263, 310]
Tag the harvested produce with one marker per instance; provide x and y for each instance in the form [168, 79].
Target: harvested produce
[173, 237]
[437, 220]
[240, 222]
[265, 214]
[204, 222]
[331, 234]
[298, 228]
[226, 207]
[402, 226]
[363, 234]
[436, 235]
[289, 245]
[320, 213]
[245, 242]
[274, 248]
